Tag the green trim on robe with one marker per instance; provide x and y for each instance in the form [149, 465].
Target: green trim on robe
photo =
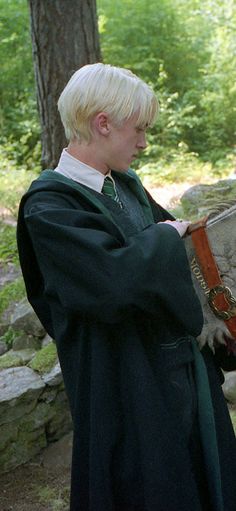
[129, 177]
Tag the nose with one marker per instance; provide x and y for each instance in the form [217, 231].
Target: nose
[142, 144]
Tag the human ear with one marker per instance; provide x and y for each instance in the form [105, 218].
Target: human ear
[101, 123]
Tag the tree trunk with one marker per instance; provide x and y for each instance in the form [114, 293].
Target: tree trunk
[64, 38]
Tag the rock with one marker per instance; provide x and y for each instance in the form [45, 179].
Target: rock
[46, 340]
[9, 273]
[199, 200]
[3, 328]
[34, 421]
[61, 421]
[24, 341]
[24, 318]
[33, 413]
[38, 417]
[22, 449]
[16, 358]
[6, 318]
[229, 387]
[25, 355]
[20, 388]
[3, 347]
[54, 377]
[9, 434]
[49, 395]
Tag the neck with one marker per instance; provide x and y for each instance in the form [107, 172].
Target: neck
[89, 154]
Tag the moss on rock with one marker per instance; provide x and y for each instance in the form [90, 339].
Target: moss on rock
[10, 359]
[44, 359]
[16, 358]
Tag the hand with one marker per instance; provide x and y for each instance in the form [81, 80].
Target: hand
[179, 225]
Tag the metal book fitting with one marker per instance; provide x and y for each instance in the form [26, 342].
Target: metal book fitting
[230, 299]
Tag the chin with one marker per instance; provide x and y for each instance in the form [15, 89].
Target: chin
[121, 169]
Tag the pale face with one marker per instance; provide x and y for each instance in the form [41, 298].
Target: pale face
[111, 147]
[124, 144]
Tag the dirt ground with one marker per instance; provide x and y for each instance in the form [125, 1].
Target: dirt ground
[43, 484]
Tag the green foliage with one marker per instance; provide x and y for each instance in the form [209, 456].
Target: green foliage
[12, 292]
[18, 110]
[140, 34]
[177, 166]
[13, 183]
[8, 249]
[185, 51]
[9, 336]
[45, 359]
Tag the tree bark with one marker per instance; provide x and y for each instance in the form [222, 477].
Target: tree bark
[64, 38]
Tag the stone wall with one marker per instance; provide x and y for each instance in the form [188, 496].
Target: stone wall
[34, 409]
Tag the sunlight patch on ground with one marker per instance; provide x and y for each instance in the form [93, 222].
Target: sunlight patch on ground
[170, 194]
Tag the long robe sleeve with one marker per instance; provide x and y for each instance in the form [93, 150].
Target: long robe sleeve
[91, 269]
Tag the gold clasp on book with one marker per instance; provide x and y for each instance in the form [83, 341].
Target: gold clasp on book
[230, 299]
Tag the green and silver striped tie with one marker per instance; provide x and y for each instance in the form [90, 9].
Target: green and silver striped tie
[109, 189]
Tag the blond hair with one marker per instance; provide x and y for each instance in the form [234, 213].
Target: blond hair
[101, 87]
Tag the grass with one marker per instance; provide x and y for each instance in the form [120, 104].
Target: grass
[57, 501]
[8, 248]
[13, 183]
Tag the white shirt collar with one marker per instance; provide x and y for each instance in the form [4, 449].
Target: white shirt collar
[80, 172]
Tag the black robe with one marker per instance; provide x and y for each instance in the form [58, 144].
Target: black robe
[117, 302]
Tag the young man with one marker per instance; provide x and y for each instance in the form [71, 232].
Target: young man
[106, 272]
